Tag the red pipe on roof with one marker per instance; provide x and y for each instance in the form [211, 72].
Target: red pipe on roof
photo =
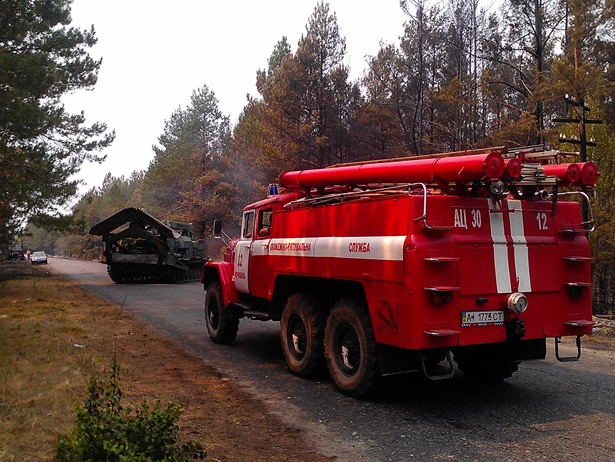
[440, 169]
[567, 173]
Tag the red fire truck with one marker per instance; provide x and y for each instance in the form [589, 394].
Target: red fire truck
[414, 264]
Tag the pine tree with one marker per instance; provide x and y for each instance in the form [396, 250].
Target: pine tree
[42, 145]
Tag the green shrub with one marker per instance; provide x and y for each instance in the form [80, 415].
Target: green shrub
[107, 431]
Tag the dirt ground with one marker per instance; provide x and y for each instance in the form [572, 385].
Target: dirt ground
[230, 424]
[53, 332]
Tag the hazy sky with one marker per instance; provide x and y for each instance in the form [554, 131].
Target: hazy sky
[155, 53]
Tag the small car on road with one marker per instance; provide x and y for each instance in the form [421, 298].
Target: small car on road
[39, 258]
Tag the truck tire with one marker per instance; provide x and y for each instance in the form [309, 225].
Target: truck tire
[222, 326]
[351, 350]
[302, 333]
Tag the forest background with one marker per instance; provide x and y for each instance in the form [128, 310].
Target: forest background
[458, 79]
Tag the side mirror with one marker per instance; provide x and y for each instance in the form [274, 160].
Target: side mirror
[217, 229]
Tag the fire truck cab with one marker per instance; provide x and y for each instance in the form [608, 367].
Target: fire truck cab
[386, 267]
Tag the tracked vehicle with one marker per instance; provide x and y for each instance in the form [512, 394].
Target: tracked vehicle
[139, 248]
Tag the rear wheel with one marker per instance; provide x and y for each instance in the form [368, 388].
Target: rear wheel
[351, 349]
[222, 326]
[301, 334]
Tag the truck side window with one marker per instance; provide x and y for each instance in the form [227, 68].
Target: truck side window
[248, 225]
[264, 221]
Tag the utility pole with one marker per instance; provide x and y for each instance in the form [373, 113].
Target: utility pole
[582, 121]
[582, 142]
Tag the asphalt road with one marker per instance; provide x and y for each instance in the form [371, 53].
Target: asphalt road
[547, 411]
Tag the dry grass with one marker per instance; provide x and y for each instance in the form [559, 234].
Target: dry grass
[42, 373]
[54, 336]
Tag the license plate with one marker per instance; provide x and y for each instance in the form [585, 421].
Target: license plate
[482, 318]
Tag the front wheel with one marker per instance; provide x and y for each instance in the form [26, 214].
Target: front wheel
[301, 334]
[222, 326]
[351, 350]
